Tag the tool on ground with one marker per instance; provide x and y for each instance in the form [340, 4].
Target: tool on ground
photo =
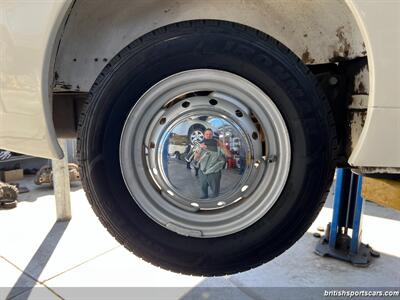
[8, 196]
[45, 174]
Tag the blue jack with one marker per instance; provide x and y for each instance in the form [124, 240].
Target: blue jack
[338, 242]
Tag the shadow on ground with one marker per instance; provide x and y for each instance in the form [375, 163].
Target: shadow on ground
[38, 262]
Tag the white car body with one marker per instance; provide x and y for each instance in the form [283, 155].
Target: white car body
[51, 48]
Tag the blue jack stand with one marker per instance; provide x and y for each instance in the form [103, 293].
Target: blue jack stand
[347, 214]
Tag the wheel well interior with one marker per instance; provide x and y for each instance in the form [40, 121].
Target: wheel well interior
[318, 32]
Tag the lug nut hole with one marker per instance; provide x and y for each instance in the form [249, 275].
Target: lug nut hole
[239, 113]
[213, 102]
[185, 104]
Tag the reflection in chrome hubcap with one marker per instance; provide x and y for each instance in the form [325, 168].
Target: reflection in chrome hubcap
[205, 153]
[197, 136]
[210, 172]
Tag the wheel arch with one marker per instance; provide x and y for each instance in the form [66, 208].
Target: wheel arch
[316, 31]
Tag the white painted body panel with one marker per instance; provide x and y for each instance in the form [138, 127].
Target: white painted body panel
[30, 34]
[379, 143]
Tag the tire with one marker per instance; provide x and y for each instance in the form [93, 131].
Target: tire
[239, 51]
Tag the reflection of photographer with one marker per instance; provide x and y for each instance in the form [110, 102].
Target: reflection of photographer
[210, 156]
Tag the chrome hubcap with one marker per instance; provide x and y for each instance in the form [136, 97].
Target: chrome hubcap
[241, 164]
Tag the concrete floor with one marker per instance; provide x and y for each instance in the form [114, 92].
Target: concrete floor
[42, 259]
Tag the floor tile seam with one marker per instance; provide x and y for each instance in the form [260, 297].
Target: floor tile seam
[243, 289]
[80, 264]
[37, 281]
